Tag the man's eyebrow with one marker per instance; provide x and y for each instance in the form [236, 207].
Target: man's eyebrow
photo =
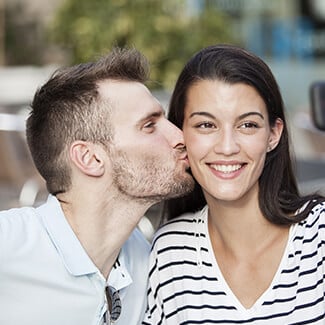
[155, 114]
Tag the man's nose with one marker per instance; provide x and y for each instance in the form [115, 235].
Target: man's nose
[175, 136]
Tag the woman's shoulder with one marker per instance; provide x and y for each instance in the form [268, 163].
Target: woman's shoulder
[315, 218]
[186, 221]
[185, 224]
[317, 212]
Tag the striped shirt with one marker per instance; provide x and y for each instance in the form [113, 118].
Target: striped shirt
[186, 285]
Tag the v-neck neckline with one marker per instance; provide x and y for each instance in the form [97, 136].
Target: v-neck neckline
[228, 291]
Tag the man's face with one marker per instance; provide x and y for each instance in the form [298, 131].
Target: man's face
[147, 154]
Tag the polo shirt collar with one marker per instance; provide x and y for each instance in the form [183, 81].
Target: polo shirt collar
[73, 255]
[119, 276]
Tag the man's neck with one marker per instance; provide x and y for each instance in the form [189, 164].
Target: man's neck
[102, 227]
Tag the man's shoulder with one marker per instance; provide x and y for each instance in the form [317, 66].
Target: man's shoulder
[137, 242]
[27, 216]
[17, 217]
[19, 227]
[135, 254]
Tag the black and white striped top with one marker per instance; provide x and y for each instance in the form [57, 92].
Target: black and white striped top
[187, 287]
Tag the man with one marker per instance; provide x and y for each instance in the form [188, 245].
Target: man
[107, 153]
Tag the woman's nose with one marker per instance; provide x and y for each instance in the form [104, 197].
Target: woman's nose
[227, 143]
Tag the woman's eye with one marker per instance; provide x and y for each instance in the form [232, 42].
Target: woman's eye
[249, 125]
[205, 125]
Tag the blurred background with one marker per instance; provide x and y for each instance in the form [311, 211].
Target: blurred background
[38, 36]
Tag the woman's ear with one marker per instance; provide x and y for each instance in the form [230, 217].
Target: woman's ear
[87, 157]
[275, 136]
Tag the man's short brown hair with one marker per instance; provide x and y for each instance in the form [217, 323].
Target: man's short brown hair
[68, 108]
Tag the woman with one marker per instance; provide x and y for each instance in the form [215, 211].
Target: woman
[247, 248]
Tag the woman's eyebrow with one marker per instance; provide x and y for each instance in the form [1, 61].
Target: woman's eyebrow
[202, 113]
[242, 116]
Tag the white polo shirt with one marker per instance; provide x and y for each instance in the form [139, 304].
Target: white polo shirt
[47, 278]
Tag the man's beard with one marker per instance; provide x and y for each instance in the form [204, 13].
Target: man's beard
[147, 179]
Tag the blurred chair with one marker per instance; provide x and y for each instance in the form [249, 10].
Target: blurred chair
[314, 136]
[21, 184]
[311, 170]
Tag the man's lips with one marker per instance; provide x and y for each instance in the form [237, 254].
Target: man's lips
[184, 158]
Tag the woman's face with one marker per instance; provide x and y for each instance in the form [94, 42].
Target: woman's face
[227, 134]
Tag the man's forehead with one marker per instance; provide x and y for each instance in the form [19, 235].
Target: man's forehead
[134, 96]
[111, 87]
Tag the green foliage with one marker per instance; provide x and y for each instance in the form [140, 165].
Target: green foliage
[164, 30]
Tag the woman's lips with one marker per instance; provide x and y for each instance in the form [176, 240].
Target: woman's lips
[227, 170]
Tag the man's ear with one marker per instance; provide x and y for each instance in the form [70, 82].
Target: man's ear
[87, 157]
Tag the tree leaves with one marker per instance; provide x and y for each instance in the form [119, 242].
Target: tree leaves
[166, 31]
